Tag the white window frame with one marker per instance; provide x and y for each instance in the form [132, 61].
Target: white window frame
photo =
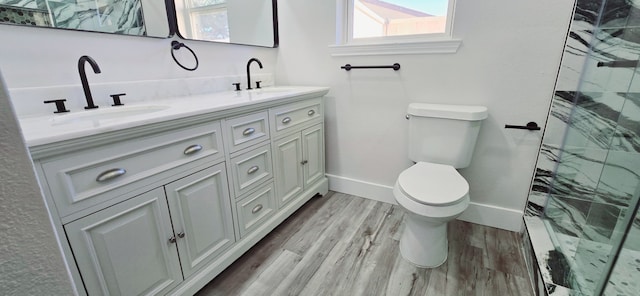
[346, 45]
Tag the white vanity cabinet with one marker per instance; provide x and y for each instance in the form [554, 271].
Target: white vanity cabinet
[145, 245]
[298, 151]
[162, 208]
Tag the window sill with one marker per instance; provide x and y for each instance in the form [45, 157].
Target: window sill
[423, 47]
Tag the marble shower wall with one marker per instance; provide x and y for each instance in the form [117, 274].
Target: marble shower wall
[588, 169]
[111, 16]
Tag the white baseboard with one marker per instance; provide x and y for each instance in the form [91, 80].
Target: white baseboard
[493, 216]
[361, 188]
[478, 213]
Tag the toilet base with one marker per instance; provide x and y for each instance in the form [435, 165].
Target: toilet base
[424, 243]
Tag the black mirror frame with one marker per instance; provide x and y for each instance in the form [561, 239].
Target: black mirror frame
[173, 25]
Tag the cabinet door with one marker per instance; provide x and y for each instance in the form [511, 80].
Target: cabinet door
[313, 154]
[125, 249]
[287, 158]
[201, 214]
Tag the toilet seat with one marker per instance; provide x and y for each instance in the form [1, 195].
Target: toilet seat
[433, 184]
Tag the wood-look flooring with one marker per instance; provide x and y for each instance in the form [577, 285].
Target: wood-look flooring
[345, 245]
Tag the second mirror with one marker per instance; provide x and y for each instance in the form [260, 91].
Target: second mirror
[249, 22]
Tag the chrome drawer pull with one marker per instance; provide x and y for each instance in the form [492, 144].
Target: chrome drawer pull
[286, 120]
[110, 174]
[252, 169]
[311, 112]
[248, 131]
[256, 209]
[192, 149]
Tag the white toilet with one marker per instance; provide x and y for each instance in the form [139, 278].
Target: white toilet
[441, 139]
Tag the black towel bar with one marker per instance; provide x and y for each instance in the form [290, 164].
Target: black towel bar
[348, 67]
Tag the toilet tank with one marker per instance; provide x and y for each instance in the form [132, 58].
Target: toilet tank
[444, 134]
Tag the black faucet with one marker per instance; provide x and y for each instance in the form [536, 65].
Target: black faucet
[249, 72]
[83, 79]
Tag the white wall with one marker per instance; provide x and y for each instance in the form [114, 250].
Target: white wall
[508, 62]
[30, 260]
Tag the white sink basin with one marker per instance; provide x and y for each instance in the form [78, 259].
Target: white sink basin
[106, 114]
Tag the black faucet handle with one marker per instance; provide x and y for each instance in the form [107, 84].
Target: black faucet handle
[60, 108]
[237, 84]
[116, 99]
[258, 84]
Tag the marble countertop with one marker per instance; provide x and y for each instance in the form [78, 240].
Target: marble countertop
[46, 129]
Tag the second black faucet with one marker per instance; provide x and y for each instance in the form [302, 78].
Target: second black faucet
[249, 72]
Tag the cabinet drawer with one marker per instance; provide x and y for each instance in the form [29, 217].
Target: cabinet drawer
[294, 115]
[244, 131]
[251, 169]
[78, 181]
[255, 209]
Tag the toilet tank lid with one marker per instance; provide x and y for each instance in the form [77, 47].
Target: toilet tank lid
[460, 112]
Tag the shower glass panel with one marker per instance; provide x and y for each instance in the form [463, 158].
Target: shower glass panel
[591, 210]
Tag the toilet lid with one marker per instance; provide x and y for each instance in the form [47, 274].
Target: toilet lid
[433, 184]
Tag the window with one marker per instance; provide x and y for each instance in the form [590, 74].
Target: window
[206, 20]
[394, 27]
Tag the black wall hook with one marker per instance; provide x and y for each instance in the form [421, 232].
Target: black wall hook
[176, 45]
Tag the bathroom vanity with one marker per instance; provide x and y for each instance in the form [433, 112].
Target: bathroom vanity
[159, 197]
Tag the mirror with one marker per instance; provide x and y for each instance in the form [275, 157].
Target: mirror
[248, 22]
[128, 17]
